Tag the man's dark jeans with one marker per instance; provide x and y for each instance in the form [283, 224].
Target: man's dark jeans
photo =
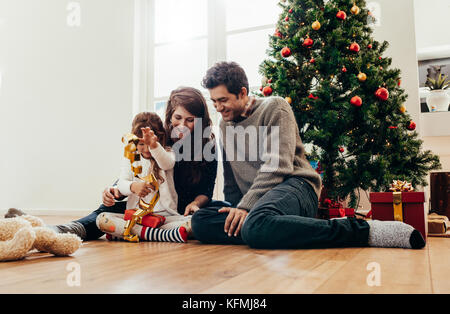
[284, 218]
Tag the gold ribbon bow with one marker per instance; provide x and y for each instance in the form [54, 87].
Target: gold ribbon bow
[401, 186]
[398, 187]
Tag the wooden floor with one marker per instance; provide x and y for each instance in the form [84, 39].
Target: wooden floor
[118, 267]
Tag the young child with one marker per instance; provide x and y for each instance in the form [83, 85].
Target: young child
[158, 159]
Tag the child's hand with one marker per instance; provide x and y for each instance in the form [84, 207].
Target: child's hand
[141, 189]
[149, 138]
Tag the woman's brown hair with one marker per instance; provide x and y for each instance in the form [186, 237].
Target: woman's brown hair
[153, 121]
[192, 100]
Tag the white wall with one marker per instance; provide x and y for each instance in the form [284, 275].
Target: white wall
[432, 18]
[65, 101]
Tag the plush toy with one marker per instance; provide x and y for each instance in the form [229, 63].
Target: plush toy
[21, 234]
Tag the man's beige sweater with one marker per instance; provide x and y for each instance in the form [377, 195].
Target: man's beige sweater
[262, 151]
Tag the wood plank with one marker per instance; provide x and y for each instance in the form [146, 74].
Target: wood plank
[439, 251]
[400, 270]
[295, 271]
[121, 267]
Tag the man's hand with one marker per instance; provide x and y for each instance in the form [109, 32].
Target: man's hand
[109, 195]
[234, 221]
[191, 208]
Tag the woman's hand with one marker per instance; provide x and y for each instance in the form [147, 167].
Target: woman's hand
[141, 189]
[191, 208]
[109, 196]
[149, 138]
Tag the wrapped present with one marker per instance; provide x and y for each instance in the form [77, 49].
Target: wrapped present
[402, 204]
[437, 224]
[332, 209]
[152, 221]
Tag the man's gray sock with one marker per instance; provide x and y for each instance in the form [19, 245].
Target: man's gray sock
[394, 234]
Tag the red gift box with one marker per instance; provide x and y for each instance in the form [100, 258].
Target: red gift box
[152, 221]
[407, 207]
[329, 213]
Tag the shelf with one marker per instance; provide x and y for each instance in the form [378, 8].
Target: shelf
[435, 123]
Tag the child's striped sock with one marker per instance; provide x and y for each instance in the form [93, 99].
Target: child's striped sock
[161, 235]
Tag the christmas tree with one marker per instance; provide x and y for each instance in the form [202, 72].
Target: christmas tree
[348, 102]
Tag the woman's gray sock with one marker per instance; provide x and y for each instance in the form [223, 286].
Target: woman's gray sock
[394, 234]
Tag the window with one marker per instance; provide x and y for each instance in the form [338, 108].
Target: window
[186, 37]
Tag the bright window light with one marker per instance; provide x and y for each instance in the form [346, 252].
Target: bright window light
[177, 20]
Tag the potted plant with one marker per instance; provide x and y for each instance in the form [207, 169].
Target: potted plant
[438, 98]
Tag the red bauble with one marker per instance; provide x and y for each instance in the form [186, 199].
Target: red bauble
[341, 149]
[356, 101]
[341, 15]
[286, 18]
[312, 60]
[278, 34]
[285, 52]
[267, 91]
[411, 126]
[290, 10]
[344, 69]
[308, 42]
[355, 47]
[261, 88]
[382, 94]
[369, 46]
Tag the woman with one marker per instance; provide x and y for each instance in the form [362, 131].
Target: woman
[194, 178]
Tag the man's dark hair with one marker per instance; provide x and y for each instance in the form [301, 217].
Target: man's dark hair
[229, 74]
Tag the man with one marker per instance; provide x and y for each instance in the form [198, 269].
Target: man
[274, 205]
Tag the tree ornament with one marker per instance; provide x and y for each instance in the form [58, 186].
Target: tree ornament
[341, 15]
[356, 101]
[308, 42]
[369, 46]
[316, 25]
[341, 149]
[399, 82]
[355, 47]
[286, 52]
[289, 100]
[312, 61]
[267, 91]
[286, 18]
[382, 94]
[411, 126]
[290, 10]
[362, 76]
[278, 34]
[355, 9]
[344, 69]
[311, 96]
[402, 109]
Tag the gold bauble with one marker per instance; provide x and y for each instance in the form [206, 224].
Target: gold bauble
[316, 25]
[289, 100]
[402, 109]
[362, 77]
[355, 9]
